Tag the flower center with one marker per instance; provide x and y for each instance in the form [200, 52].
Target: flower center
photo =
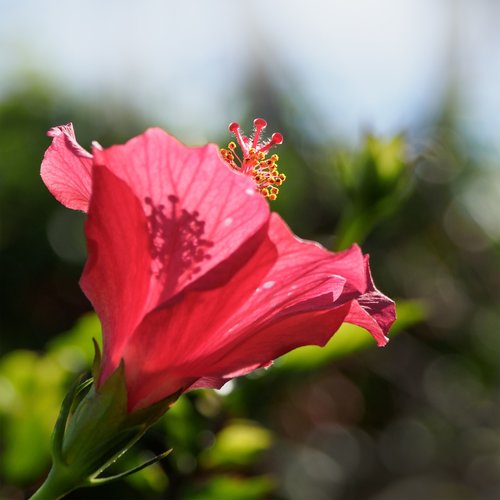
[253, 160]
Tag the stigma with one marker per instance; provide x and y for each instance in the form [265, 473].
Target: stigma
[253, 160]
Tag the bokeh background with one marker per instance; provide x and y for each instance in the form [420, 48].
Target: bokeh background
[391, 115]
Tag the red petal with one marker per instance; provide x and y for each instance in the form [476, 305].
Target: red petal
[117, 274]
[290, 293]
[373, 310]
[67, 168]
[199, 210]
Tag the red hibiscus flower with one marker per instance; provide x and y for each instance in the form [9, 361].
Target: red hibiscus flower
[194, 280]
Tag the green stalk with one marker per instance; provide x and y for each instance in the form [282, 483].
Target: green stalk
[56, 485]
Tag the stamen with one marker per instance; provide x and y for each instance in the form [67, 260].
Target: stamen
[253, 162]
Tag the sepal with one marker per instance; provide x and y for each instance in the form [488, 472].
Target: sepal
[102, 480]
[97, 432]
[60, 427]
[94, 429]
[97, 363]
[151, 414]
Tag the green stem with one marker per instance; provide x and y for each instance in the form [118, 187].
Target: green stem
[56, 485]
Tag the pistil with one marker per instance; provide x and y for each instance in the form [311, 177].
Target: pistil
[253, 160]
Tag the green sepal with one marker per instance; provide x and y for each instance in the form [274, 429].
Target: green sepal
[113, 449]
[96, 364]
[97, 423]
[101, 429]
[84, 385]
[62, 419]
[81, 391]
[152, 413]
[102, 480]
[94, 429]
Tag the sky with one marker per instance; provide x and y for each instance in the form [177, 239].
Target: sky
[358, 65]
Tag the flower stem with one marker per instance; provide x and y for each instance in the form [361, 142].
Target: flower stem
[55, 486]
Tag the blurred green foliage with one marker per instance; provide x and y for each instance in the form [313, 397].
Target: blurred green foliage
[239, 443]
[346, 421]
[40, 266]
[33, 386]
[375, 180]
[231, 487]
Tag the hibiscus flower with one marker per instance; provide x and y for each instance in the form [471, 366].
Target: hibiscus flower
[194, 280]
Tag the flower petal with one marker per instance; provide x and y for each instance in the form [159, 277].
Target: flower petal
[199, 211]
[289, 293]
[373, 310]
[67, 169]
[117, 275]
